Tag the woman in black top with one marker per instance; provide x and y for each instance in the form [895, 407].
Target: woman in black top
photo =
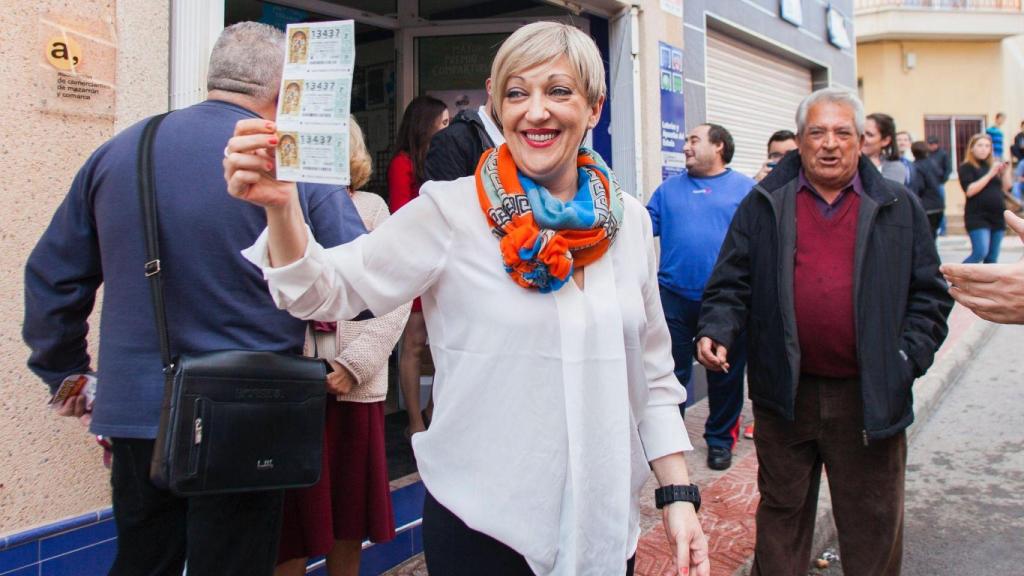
[983, 180]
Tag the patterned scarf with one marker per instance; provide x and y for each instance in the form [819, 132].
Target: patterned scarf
[541, 237]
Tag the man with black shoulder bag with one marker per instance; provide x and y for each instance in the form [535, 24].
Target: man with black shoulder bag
[219, 523]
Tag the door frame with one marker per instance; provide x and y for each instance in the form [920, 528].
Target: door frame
[405, 40]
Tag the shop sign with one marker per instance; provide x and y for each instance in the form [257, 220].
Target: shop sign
[449, 63]
[77, 65]
[672, 7]
[792, 11]
[837, 34]
[673, 124]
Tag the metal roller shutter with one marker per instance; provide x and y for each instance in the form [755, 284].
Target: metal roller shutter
[752, 93]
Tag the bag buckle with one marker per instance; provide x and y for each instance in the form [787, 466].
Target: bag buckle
[152, 267]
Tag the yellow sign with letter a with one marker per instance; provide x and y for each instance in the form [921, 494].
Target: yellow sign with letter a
[63, 53]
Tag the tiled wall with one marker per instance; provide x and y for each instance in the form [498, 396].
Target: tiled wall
[85, 545]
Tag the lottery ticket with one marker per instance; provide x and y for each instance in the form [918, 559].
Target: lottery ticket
[313, 156]
[319, 46]
[314, 103]
[312, 100]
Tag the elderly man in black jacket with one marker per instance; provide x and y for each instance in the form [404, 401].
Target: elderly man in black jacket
[832, 270]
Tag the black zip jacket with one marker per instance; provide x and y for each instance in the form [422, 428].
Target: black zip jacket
[900, 298]
[926, 184]
[455, 151]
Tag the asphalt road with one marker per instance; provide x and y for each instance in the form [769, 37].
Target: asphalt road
[965, 471]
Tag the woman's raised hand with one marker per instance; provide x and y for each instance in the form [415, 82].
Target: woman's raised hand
[249, 165]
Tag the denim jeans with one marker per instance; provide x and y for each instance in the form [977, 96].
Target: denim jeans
[725, 391]
[985, 245]
[1018, 186]
[942, 221]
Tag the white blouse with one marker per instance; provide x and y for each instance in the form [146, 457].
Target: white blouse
[547, 407]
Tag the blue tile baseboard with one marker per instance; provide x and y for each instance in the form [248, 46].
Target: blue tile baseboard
[85, 545]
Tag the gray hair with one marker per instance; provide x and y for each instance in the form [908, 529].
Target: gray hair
[247, 59]
[834, 96]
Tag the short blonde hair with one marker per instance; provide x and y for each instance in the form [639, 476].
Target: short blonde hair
[359, 164]
[542, 42]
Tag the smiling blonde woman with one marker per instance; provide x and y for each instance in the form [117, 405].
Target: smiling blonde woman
[554, 393]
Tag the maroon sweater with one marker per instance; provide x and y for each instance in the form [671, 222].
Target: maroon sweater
[823, 286]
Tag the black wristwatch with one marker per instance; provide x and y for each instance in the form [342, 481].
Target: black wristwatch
[675, 493]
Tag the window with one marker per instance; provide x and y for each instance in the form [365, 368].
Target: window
[953, 132]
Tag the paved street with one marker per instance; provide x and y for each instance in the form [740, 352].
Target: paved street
[965, 475]
[965, 472]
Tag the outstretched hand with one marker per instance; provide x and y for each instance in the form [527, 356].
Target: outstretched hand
[249, 165]
[994, 292]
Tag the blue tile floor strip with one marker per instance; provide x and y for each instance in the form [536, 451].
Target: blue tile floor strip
[407, 503]
[56, 528]
[85, 545]
[19, 556]
[29, 571]
[95, 559]
[382, 557]
[75, 539]
[417, 540]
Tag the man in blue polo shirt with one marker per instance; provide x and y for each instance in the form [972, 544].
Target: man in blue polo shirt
[691, 213]
[995, 132]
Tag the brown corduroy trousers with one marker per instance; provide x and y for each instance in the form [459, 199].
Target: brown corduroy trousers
[866, 483]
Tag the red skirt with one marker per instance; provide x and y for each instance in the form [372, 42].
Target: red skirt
[352, 500]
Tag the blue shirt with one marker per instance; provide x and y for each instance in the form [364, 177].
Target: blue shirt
[997, 141]
[692, 216]
[215, 299]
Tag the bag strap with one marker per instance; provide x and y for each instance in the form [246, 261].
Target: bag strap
[151, 229]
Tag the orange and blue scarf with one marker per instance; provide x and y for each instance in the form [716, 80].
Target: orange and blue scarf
[542, 238]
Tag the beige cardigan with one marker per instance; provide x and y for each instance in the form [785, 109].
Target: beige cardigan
[363, 347]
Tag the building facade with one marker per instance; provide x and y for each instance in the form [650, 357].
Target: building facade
[945, 69]
[749, 63]
[76, 73]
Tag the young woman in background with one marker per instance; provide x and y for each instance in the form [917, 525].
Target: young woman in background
[423, 118]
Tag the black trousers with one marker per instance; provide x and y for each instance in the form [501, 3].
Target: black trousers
[934, 221]
[224, 535]
[454, 549]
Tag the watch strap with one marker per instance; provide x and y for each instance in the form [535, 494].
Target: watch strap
[677, 493]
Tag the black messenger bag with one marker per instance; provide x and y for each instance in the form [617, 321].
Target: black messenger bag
[231, 420]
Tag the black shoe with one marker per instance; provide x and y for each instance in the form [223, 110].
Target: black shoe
[719, 457]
